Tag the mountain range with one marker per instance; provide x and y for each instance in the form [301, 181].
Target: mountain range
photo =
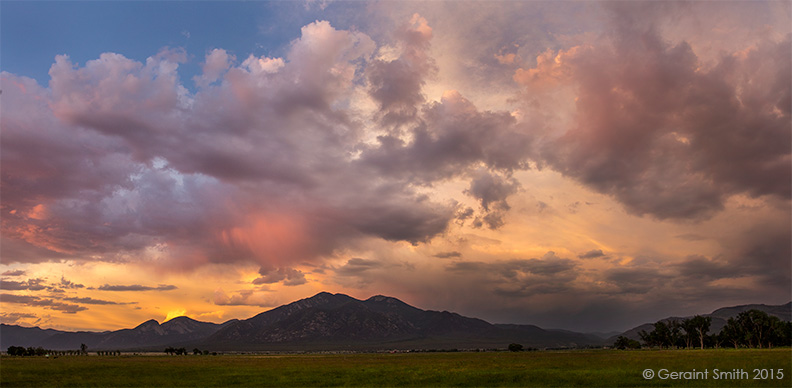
[332, 322]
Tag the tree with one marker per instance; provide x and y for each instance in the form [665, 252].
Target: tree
[756, 326]
[626, 343]
[698, 327]
[196, 351]
[515, 347]
[84, 349]
[733, 333]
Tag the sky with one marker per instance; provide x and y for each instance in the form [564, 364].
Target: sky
[589, 166]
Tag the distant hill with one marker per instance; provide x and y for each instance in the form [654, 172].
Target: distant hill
[719, 318]
[146, 335]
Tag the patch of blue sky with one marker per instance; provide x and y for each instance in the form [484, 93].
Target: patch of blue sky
[33, 33]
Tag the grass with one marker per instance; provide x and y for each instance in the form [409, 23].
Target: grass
[590, 368]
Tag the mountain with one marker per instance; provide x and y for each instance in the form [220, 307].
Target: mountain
[148, 334]
[336, 321]
[719, 318]
[13, 335]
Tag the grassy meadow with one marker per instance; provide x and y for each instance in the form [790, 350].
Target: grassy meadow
[590, 368]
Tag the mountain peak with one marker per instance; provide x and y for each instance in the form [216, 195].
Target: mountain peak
[151, 323]
[181, 318]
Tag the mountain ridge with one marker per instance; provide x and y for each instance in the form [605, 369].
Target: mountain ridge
[328, 321]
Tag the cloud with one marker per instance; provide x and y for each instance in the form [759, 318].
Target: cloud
[492, 190]
[660, 131]
[18, 272]
[68, 284]
[30, 284]
[218, 61]
[289, 276]
[136, 287]
[454, 139]
[521, 277]
[128, 162]
[357, 266]
[41, 302]
[396, 85]
[594, 253]
[244, 298]
[89, 300]
[447, 255]
[14, 318]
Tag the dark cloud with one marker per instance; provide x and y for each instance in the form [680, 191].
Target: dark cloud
[592, 254]
[68, 284]
[447, 255]
[136, 287]
[357, 266]
[18, 272]
[396, 85]
[453, 138]
[519, 278]
[90, 301]
[42, 302]
[30, 284]
[289, 276]
[636, 280]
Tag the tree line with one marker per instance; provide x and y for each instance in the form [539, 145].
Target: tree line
[750, 329]
[183, 351]
[39, 351]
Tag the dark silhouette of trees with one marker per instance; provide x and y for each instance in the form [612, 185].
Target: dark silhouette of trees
[178, 352]
[752, 329]
[664, 335]
[515, 347]
[29, 351]
[84, 349]
[626, 343]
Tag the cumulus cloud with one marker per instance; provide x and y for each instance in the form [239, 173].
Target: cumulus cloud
[660, 131]
[134, 163]
[18, 272]
[396, 85]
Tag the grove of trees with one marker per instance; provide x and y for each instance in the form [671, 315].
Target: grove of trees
[751, 329]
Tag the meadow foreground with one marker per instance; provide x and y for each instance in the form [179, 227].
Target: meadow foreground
[720, 368]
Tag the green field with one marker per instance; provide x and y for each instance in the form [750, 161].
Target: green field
[543, 368]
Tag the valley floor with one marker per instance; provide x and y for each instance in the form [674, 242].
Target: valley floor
[723, 367]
